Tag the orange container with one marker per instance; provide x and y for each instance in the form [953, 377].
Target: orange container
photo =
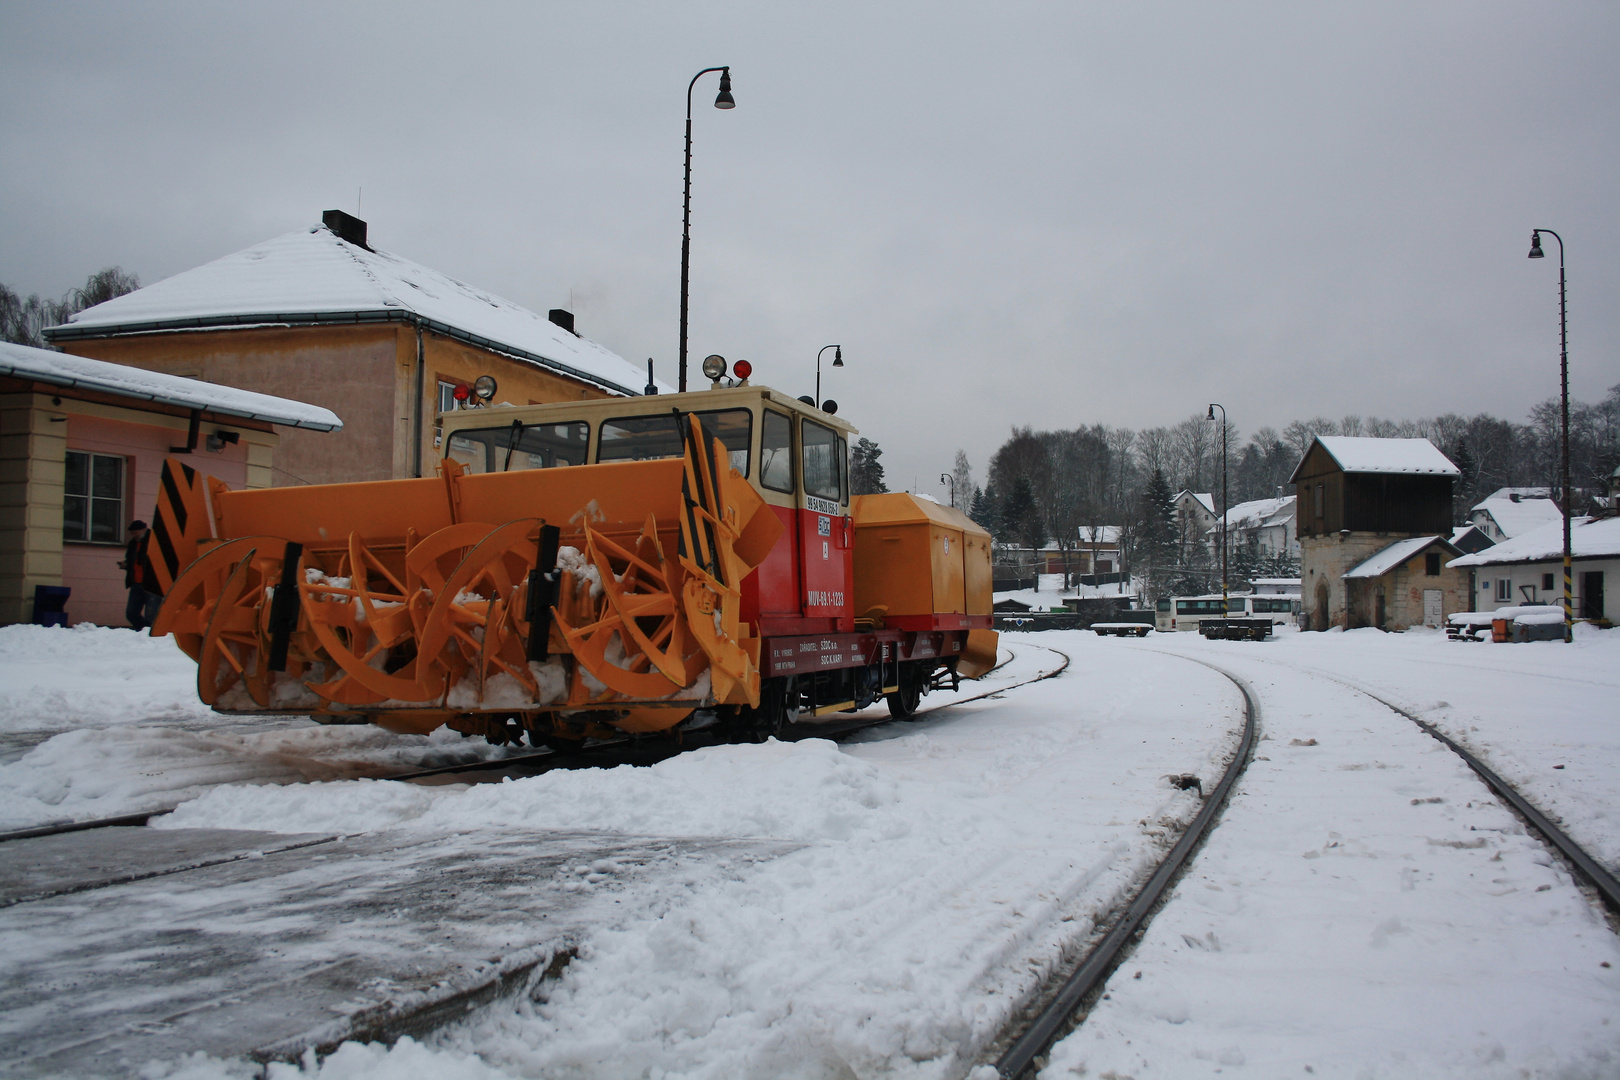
[915, 558]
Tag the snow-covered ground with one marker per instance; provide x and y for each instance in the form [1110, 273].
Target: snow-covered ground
[98, 721]
[1365, 908]
[1052, 593]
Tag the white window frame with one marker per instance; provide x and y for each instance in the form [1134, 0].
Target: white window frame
[1504, 590]
[91, 499]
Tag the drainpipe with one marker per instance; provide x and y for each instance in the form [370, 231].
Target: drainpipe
[421, 381]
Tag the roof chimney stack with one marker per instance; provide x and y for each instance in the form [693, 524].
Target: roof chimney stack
[346, 227]
[564, 319]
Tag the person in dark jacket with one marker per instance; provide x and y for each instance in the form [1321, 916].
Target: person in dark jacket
[144, 595]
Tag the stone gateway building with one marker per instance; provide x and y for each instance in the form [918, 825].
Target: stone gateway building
[1373, 516]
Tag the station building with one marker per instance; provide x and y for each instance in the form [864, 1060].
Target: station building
[82, 444]
[320, 315]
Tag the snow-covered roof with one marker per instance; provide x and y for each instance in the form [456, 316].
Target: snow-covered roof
[1204, 498]
[313, 276]
[1517, 517]
[1588, 539]
[1388, 559]
[1258, 513]
[60, 369]
[1274, 581]
[1098, 534]
[1522, 492]
[1358, 455]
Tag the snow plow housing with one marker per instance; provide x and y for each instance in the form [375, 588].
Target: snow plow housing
[663, 577]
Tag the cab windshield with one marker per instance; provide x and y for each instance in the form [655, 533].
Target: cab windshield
[519, 446]
[643, 438]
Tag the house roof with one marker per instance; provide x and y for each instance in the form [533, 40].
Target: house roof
[61, 369]
[1470, 538]
[1258, 513]
[1516, 517]
[1392, 556]
[313, 276]
[1358, 455]
[1204, 498]
[1588, 539]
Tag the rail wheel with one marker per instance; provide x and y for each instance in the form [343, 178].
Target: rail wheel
[904, 701]
[778, 708]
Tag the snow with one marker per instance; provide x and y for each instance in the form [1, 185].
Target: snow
[1364, 907]
[1588, 538]
[1359, 455]
[313, 272]
[1382, 562]
[60, 369]
[100, 721]
[1518, 516]
[1051, 592]
[1257, 513]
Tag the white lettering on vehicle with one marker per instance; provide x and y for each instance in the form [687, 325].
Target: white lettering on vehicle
[820, 506]
[831, 659]
[823, 598]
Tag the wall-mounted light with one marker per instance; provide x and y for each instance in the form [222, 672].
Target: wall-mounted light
[218, 440]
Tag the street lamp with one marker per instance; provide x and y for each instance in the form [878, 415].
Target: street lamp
[1563, 377]
[838, 361]
[723, 101]
[947, 478]
[1224, 510]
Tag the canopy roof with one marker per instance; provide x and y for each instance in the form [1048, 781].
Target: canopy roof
[61, 369]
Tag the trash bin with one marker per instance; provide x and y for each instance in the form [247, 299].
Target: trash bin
[50, 604]
[1499, 630]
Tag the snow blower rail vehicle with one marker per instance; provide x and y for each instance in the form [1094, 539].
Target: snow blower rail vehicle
[580, 570]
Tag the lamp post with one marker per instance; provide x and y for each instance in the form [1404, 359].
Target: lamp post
[838, 361]
[723, 100]
[947, 478]
[1563, 379]
[1224, 509]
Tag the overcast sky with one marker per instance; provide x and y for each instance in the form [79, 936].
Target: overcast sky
[1043, 214]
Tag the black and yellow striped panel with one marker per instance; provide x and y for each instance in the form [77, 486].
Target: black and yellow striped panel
[179, 522]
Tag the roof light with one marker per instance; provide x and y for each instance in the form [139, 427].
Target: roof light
[461, 393]
[714, 366]
[484, 387]
[742, 369]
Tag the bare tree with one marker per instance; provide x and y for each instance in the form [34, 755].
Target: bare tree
[961, 482]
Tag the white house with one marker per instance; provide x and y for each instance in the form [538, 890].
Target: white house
[1509, 512]
[1269, 521]
[1529, 569]
[1195, 516]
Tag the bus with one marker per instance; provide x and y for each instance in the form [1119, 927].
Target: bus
[1282, 608]
[1186, 612]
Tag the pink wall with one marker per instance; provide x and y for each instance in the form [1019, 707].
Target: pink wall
[91, 570]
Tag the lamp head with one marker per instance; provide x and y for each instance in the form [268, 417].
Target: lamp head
[1211, 415]
[1535, 244]
[838, 356]
[714, 366]
[724, 100]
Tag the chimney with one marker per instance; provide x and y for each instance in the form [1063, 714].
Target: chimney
[1513, 496]
[346, 227]
[564, 319]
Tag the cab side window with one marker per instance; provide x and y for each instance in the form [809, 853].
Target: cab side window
[823, 476]
[776, 452]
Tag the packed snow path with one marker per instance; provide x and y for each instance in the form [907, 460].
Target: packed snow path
[1366, 909]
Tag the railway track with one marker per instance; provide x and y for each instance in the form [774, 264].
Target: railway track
[1062, 1011]
[608, 754]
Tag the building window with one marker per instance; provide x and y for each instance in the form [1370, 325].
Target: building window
[1547, 582]
[1504, 589]
[93, 503]
[447, 395]
[1431, 564]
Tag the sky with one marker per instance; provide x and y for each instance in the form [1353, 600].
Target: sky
[1046, 214]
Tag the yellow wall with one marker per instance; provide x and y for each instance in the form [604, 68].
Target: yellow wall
[367, 374]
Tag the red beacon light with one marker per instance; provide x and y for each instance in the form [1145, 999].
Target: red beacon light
[461, 393]
[742, 369]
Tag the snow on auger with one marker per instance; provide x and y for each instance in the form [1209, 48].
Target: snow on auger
[512, 595]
